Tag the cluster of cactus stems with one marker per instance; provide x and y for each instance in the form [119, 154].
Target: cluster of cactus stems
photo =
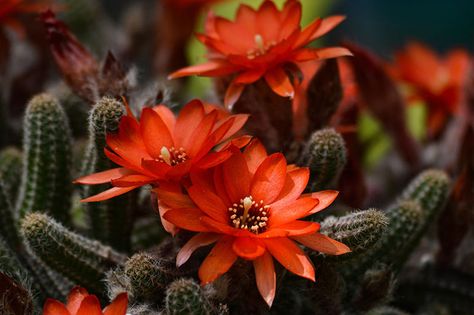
[50, 242]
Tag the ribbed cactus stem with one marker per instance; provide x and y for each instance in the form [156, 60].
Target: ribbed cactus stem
[10, 171]
[8, 227]
[110, 221]
[82, 260]
[360, 230]
[186, 297]
[148, 277]
[147, 232]
[376, 288]
[325, 155]
[46, 181]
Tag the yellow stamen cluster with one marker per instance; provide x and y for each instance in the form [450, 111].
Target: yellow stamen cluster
[249, 215]
[261, 47]
[172, 156]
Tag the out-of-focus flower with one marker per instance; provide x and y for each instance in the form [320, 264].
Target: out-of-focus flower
[162, 147]
[80, 302]
[262, 43]
[437, 81]
[11, 10]
[251, 205]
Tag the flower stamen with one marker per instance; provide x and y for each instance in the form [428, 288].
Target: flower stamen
[249, 215]
[172, 156]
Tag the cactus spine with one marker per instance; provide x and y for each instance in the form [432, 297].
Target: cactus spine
[81, 260]
[325, 155]
[8, 227]
[10, 171]
[110, 221]
[46, 181]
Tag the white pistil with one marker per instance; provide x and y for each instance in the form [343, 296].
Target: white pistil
[165, 155]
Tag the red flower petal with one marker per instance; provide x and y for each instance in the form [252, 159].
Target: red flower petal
[236, 177]
[265, 277]
[132, 180]
[174, 199]
[332, 52]
[198, 240]
[188, 119]
[327, 25]
[248, 248]
[75, 298]
[213, 159]
[322, 243]
[290, 256]
[188, 219]
[287, 213]
[209, 202]
[325, 197]
[233, 94]
[291, 19]
[155, 133]
[53, 307]
[210, 68]
[249, 76]
[218, 262]
[110, 193]
[305, 36]
[103, 177]
[269, 179]
[201, 134]
[299, 228]
[166, 115]
[90, 306]
[295, 183]
[279, 82]
[268, 21]
[255, 153]
[118, 305]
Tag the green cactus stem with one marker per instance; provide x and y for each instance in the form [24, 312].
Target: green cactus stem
[7, 222]
[325, 155]
[148, 277]
[46, 181]
[110, 221]
[186, 297]
[81, 260]
[10, 171]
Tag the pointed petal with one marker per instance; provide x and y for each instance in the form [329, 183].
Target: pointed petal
[161, 208]
[248, 248]
[299, 228]
[269, 179]
[249, 76]
[213, 159]
[223, 228]
[132, 180]
[322, 243]
[233, 94]
[188, 119]
[198, 240]
[219, 260]
[236, 177]
[325, 197]
[306, 33]
[279, 82]
[118, 305]
[255, 153]
[265, 277]
[209, 203]
[110, 193]
[53, 307]
[295, 183]
[291, 19]
[327, 24]
[90, 306]
[174, 199]
[75, 298]
[201, 134]
[103, 177]
[155, 133]
[210, 68]
[332, 52]
[188, 219]
[290, 256]
[292, 211]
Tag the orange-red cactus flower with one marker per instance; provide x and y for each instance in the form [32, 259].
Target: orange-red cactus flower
[437, 81]
[252, 206]
[80, 302]
[260, 44]
[162, 147]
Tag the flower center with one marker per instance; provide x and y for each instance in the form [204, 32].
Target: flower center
[261, 47]
[249, 215]
[172, 156]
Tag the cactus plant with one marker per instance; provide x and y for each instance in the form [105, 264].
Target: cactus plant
[10, 170]
[46, 180]
[325, 155]
[110, 222]
[185, 296]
